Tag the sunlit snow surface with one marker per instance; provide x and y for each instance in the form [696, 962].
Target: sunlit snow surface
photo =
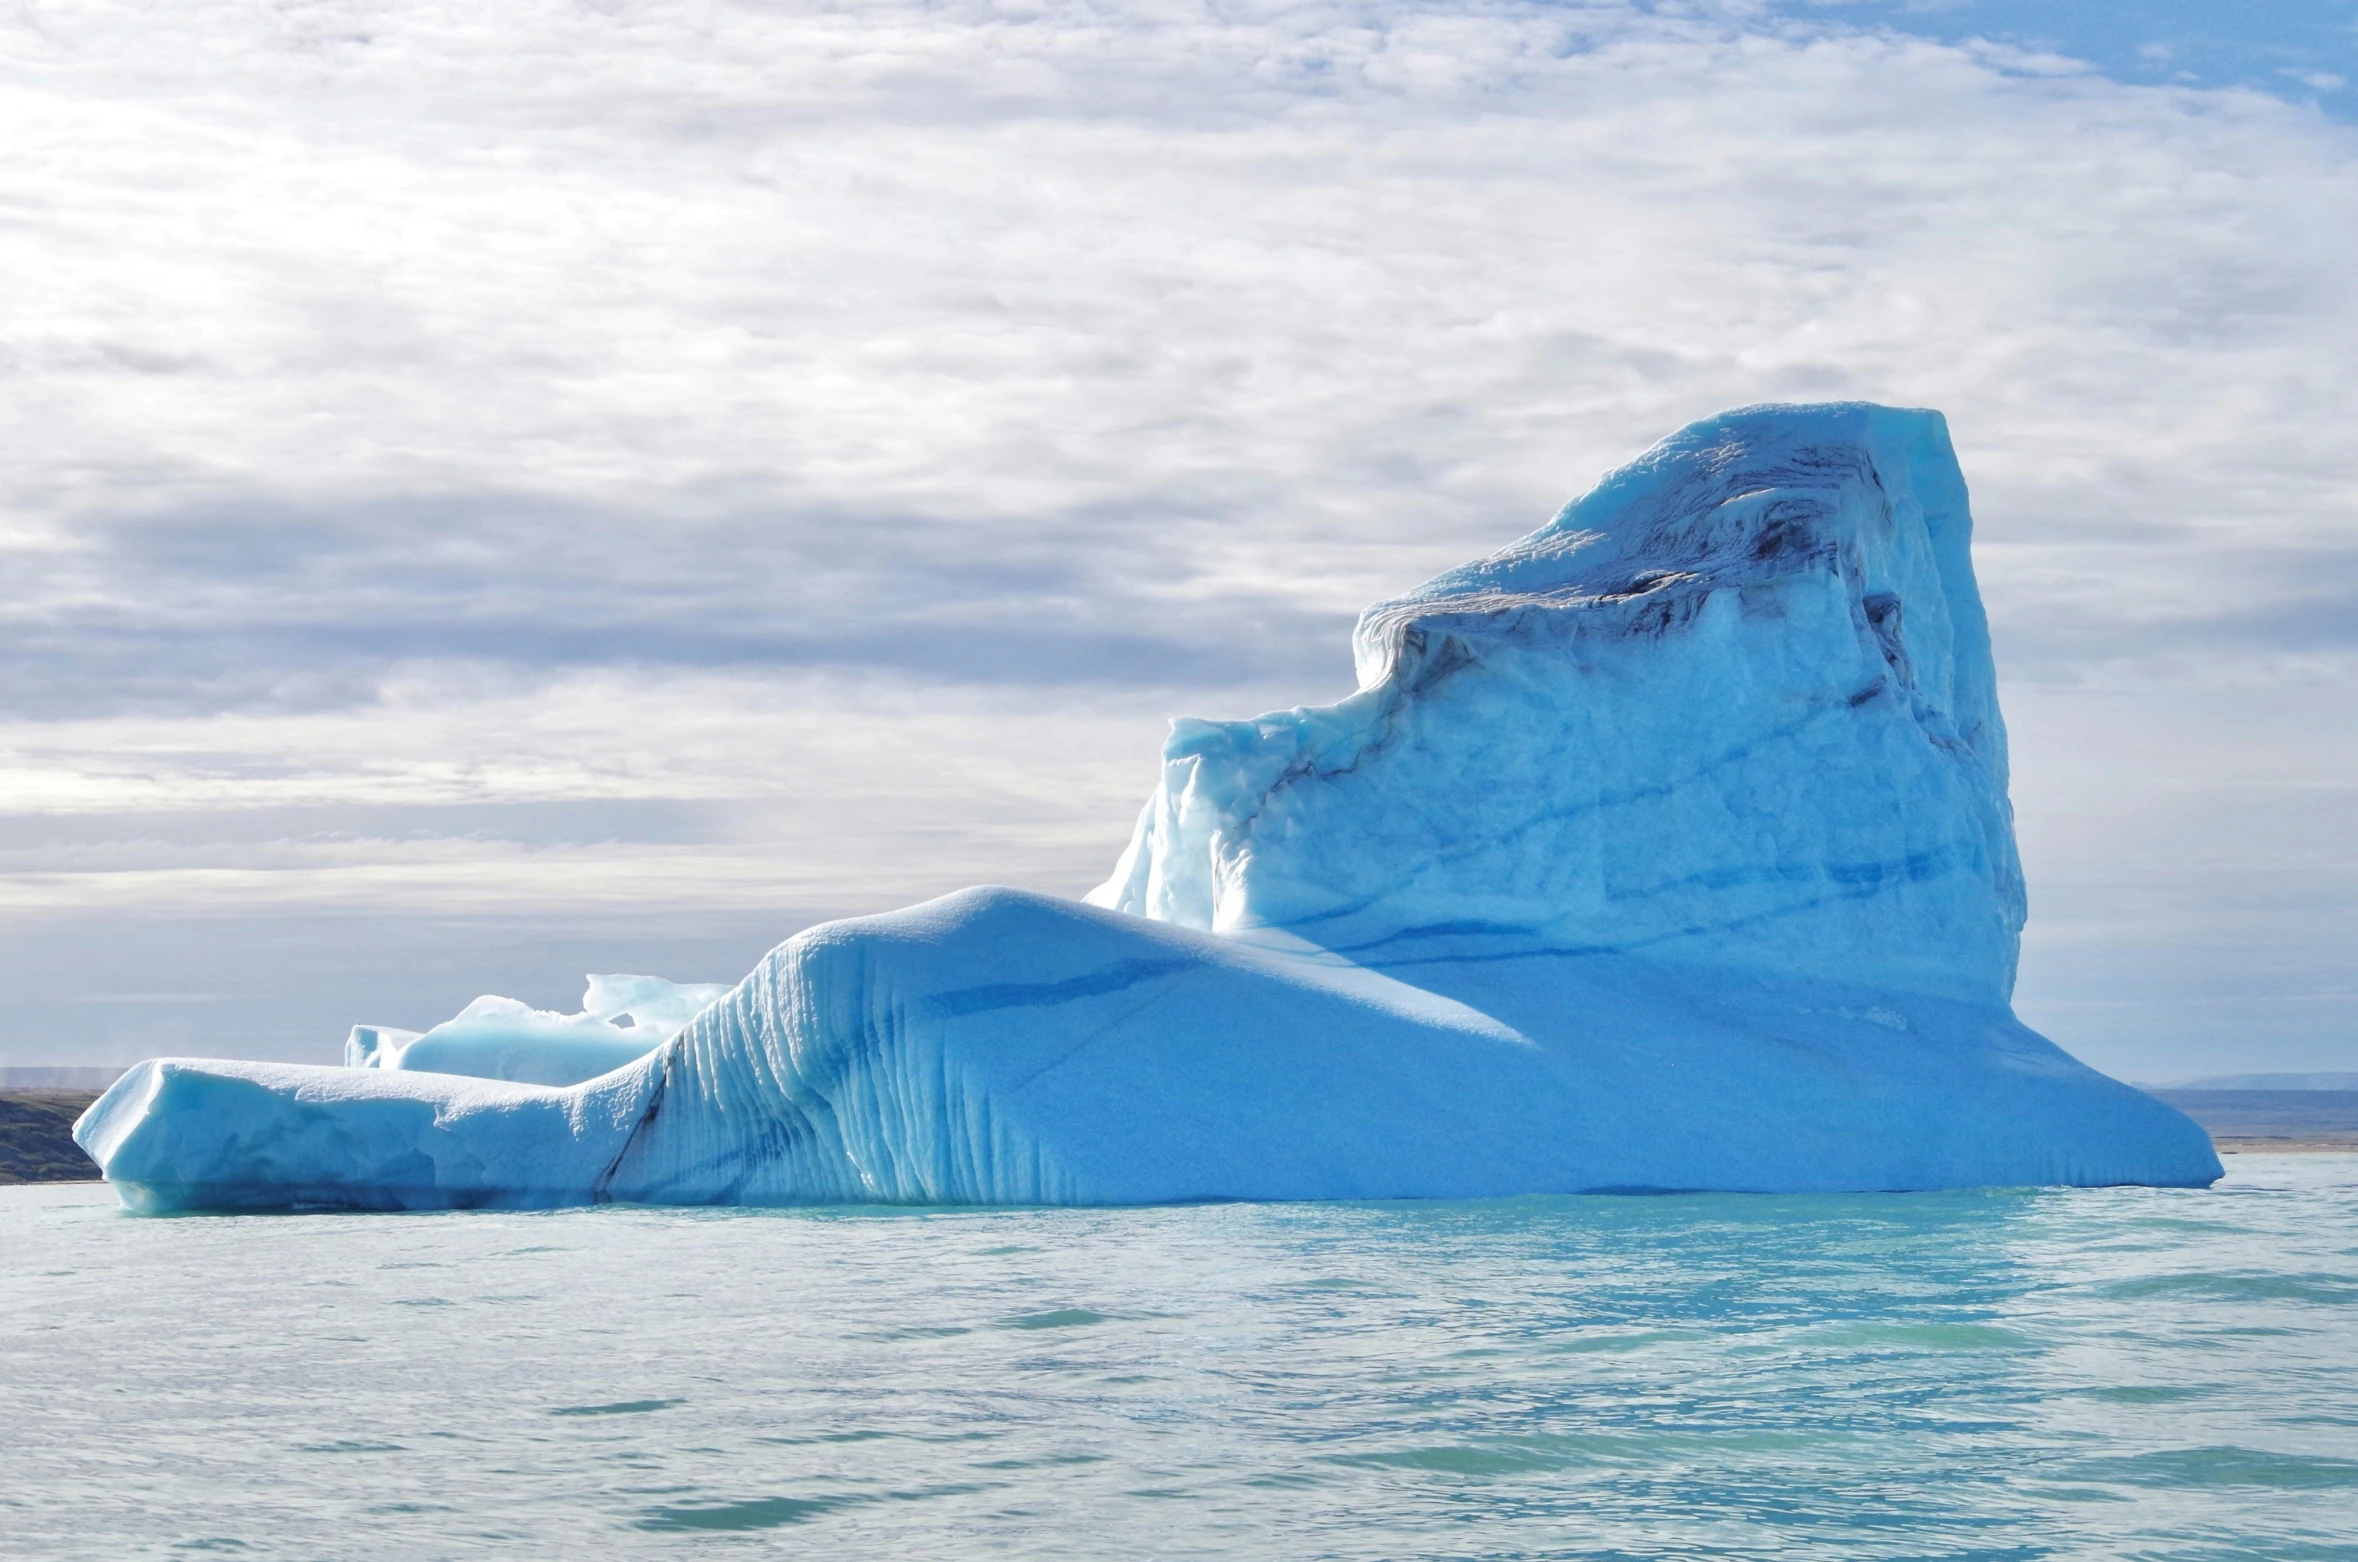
[622, 1019]
[1668, 848]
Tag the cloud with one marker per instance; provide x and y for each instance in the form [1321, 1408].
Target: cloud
[428, 404]
[275, 605]
[379, 339]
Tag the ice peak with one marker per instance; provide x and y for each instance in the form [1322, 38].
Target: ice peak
[1744, 498]
[1734, 705]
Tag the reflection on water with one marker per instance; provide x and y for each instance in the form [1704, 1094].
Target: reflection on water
[1999, 1374]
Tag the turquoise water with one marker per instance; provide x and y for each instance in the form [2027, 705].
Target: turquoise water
[2108, 1373]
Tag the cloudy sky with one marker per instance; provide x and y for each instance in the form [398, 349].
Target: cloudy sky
[498, 492]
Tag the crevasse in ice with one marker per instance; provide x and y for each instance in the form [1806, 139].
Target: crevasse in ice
[1667, 848]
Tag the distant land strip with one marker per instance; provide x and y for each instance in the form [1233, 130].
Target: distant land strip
[37, 1136]
[2242, 1122]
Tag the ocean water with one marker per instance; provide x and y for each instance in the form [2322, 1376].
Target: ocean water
[2111, 1373]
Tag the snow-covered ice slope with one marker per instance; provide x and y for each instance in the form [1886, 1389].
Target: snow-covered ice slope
[1003, 1047]
[1668, 848]
[996, 1046]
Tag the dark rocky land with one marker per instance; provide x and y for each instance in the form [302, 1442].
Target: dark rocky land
[37, 1138]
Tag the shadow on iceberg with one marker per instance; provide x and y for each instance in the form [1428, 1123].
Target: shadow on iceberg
[1668, 848]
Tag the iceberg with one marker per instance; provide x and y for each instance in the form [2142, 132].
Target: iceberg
[622, 1019]
[1666, 849]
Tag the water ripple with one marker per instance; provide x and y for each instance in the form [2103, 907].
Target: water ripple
[2087, 1373]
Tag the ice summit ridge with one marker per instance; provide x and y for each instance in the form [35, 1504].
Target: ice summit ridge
[1667, 848]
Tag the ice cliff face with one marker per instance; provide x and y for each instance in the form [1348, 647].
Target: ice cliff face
[1736, 704]
[1666, 849]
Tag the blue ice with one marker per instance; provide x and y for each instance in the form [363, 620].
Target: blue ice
[622, 1019]
[1667, 848]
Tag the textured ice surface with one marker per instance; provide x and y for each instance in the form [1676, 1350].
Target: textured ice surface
[622, 1019]
[1737, 703]
[206, 1134]
[1667, 848]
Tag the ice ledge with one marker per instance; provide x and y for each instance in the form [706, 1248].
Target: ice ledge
[999, 1047]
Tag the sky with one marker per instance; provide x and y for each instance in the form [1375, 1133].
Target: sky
[497, 493]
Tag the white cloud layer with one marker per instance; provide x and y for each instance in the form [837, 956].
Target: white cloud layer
[853, 430]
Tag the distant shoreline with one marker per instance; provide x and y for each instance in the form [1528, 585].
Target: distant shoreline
[37, 1137]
